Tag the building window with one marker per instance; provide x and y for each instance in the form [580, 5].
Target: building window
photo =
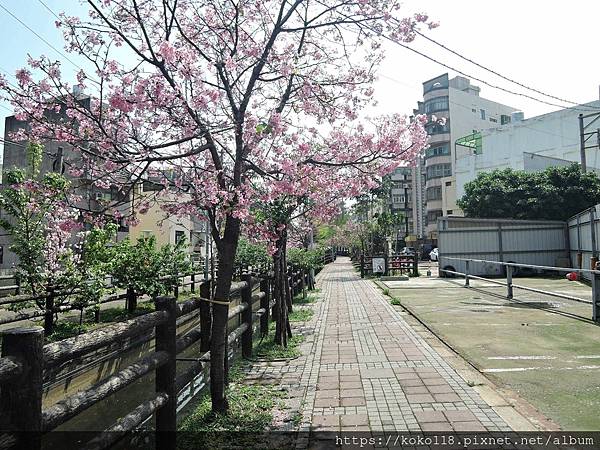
[493, 120]
[179, 236]
[146, 234]
[438, 150]
[504, 119]
[434, 193]
[434, 128]
[439, 170]
[436, 104]
[432, 216]
[473, 110]
[151, 186]
[448, 183]
[448, 212]
[482, 114]
[400, 198]
[402, 171]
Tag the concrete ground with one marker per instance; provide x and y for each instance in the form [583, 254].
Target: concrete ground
[545, 349]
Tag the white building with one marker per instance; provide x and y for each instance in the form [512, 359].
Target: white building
[532, 145]
[465, 111]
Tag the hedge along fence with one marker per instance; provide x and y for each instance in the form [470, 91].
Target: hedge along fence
[51, 298]
[25, 359]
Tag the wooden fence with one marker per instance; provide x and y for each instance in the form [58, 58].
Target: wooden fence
[52, 302]
[25, 359]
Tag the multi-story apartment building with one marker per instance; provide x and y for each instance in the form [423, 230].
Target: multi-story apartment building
[407, 199]
[458, 102]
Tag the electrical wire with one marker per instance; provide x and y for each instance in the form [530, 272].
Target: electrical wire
[6, 141]
[38, 36]
[483, 81]
[43, 39]
[481, 66]
[48, 9]
[500, 128]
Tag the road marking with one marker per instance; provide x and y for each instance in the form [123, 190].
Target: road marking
[525, 369]
[498, 324]
[534, 357]
[521, 357]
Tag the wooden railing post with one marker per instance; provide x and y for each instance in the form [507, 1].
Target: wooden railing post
[303, 282]
[264, 303]
[205, 316]
[166, 339]
[176, 288]
[415, 265]
[193, 283]
[49, 313]
[21, 398]
[131, 300]
[247, 317]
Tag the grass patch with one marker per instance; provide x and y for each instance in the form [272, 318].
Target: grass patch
[251, 407]
[270, 351]
[66, 329]
[119, 314]
[301, 315]
[395, 301]
[386, 291]
[310, 298]
[250, 412]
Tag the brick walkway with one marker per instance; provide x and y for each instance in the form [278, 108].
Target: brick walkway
[367, 370]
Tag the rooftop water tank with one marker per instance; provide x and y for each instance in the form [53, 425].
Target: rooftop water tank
[517, 116]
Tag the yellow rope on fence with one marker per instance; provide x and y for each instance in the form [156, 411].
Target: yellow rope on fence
[218, 302]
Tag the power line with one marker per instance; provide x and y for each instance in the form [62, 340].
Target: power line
[489, 129]
[6, 141]
[479, 79]
[41, 38]
[493, 71]
[463, 73]
[48, 8]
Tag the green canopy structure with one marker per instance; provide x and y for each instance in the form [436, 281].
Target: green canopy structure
[471, 141]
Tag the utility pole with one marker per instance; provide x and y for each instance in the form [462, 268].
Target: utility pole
[582, 144]
[585, 136]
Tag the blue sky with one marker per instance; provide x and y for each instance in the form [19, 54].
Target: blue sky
[549, 45]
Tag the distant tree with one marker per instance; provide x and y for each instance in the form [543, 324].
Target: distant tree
[557, 193]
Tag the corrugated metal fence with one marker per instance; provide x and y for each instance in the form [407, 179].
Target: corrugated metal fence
[533, 242]
[584, 229]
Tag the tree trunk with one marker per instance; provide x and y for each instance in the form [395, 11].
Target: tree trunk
[218, 348]
[278, 295]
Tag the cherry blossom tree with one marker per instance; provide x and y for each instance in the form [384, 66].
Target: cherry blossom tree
[234, 99]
